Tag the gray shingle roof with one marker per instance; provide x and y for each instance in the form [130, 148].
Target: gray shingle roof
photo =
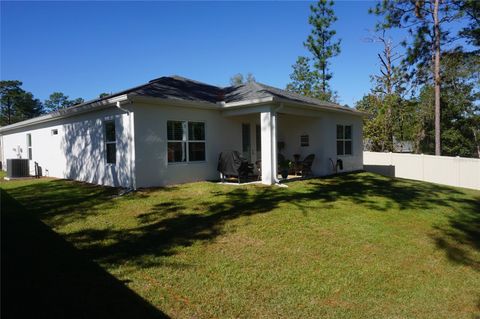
[176, 87]
[255, 90]
[183, 89]
[179, 88]
[245, 92]
[173, 87]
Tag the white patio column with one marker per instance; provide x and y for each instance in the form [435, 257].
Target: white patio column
[268, 121]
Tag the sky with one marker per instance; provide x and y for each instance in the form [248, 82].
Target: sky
[85, 48]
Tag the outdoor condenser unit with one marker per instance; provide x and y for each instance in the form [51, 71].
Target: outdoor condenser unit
[17, 167]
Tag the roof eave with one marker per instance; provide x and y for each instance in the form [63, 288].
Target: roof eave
[246, 103]
[278, 100]
[65, 113]
[320, 107]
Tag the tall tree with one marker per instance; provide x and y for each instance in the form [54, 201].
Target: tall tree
[389, 119]
[58, 100]
[16, 104]
[390, 85]
[321, 42]
[9, 92]
[311, 75]
[461, 110]
[426, 20]
[392, 75]
[28, 107]
[303, 80]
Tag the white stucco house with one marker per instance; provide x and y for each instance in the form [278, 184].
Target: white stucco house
[171, 130]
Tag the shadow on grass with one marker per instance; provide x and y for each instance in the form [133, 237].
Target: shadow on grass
[462, 235]
[43, 276]
[177, 223]
[169, 225]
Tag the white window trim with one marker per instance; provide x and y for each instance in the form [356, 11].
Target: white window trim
[344, 139]
[109, 142]
[187, 142]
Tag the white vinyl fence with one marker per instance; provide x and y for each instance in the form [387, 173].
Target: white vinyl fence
[453, 171]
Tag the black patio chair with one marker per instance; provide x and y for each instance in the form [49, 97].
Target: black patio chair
[258, 166]
[297, 164]
[307, 165]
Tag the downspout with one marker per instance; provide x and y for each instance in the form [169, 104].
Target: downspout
[133, 185]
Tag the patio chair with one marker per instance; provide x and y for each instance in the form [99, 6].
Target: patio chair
[280, 160]
[232, 164]
[297, 164]
[258, 167]
[280, 163]
[307, 165]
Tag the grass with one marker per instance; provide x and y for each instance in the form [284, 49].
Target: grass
[351, 246]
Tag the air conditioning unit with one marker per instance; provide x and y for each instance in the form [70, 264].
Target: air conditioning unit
[18, 167]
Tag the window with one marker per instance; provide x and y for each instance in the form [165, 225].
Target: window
[196, 141]
[176, 141]
[29, 146]
[54, 132]
[186, 141]
[304, 140]
[344, 140]
[110, 142]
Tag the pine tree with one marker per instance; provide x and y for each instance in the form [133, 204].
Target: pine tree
[311, 75]
[304, 80]
[58, 100]
[16, 104]
[321, 42]
[471, 9]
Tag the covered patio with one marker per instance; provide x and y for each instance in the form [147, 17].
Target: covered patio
[279, 138]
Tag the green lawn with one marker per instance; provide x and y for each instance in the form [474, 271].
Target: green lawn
[352, 246]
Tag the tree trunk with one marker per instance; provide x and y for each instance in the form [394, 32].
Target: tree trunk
[386, 61]
[388, 56]
[437, 77]
[477, 141]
